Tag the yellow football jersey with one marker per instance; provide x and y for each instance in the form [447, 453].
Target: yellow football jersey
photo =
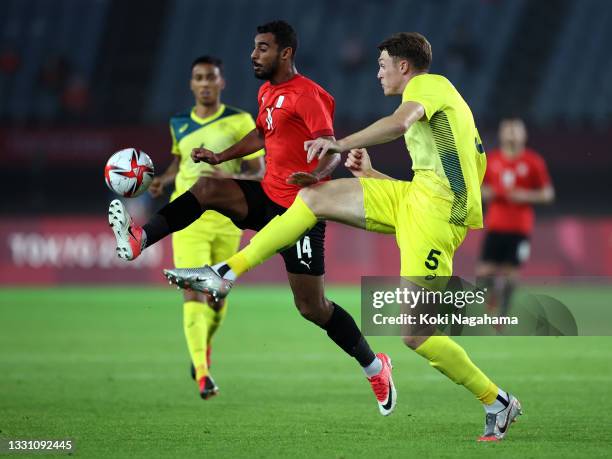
[216, 133]
[447, 153]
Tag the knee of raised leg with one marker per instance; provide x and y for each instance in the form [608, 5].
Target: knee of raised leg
[308, 196]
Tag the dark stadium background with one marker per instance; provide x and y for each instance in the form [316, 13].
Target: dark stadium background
[80, 79]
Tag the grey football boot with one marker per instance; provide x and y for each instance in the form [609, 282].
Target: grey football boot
[204, 279]
[498, 424]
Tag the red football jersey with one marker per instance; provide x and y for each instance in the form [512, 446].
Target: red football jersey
[289, 114]
[526, 171]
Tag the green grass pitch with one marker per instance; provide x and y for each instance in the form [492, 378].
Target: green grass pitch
[109, 369]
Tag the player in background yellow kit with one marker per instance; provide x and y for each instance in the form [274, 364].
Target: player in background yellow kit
[429, 215]
[213, 237]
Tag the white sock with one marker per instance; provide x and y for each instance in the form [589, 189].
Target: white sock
[498, 405]
[374, 368]
[228, 274]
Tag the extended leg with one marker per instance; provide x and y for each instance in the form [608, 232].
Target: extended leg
[486, 273]
[198, 315]
[341, 328]
[337, 200]
[222, 195]
[312, 304]
[509, 278]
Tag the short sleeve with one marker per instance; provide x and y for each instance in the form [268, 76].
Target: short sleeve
[245, 126]
[175, 148]
[421, 90]
[317, 114]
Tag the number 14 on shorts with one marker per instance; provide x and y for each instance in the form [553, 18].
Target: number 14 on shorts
[303, 247]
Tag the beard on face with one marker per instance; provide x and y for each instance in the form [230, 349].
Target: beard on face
[264, 73]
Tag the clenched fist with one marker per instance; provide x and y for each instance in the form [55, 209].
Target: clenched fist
[204, 155]
[358, 162]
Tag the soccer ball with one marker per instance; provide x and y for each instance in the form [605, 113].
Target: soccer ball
[129, 172]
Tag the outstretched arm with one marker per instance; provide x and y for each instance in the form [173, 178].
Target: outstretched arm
[382, 131]
[250, 143]
[385, 129]
[326, 166]
[252, 169]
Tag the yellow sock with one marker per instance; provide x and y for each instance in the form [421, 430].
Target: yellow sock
[446, 356]
[195, 326]
[214, 319]
[280, 233]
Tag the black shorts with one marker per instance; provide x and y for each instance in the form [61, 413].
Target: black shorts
[307, 255]
[505, 248]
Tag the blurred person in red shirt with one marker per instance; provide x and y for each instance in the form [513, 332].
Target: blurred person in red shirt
[515, 180]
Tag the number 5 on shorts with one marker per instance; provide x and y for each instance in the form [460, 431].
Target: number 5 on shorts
[432, 260]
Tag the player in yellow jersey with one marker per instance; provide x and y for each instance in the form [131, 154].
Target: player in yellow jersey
[213, 237]
[429, 215]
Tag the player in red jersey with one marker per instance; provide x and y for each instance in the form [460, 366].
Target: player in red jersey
[292, 110]
[515, 180]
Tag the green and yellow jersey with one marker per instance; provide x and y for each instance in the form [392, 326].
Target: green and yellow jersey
[446, 151]
[216, 133]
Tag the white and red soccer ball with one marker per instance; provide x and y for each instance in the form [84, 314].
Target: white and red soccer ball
[129, 172]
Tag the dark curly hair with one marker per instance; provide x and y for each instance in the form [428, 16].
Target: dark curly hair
[284, 34]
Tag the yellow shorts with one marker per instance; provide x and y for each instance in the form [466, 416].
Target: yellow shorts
[199, 245]
[427, 243]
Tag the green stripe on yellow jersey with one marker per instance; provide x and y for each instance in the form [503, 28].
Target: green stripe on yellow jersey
[446, 150]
